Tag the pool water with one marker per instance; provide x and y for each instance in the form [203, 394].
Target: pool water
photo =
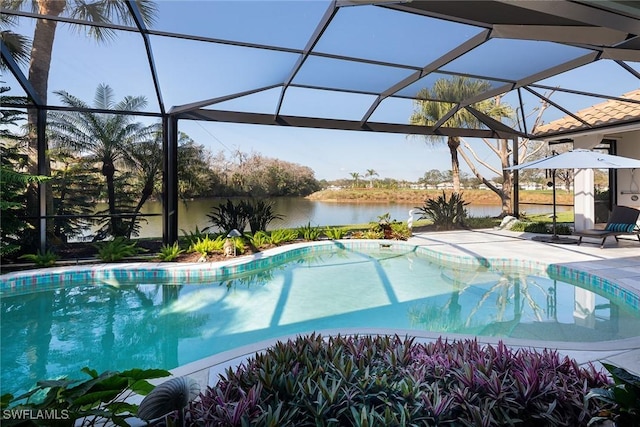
[120, 325]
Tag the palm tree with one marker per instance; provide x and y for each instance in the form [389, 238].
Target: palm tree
[452, 92]
[356, 177]
[107, 139]
[147, 157]
[98, 11]
[370, 174]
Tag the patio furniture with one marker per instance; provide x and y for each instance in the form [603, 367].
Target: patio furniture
[623, 221]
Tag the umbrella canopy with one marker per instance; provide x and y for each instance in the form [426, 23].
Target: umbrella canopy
[576, 159]
[581, 159]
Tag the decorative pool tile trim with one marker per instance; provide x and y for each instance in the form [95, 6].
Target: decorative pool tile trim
[178, 273]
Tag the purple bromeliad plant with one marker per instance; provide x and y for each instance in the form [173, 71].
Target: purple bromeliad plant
[390, 380]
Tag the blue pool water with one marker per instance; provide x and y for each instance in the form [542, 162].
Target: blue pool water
[117, 325]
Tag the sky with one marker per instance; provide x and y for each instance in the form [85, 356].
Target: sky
[192, 72]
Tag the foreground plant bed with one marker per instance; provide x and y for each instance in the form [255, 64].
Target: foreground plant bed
[357, 381]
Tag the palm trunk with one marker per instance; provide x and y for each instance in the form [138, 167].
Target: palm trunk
[108, 170]
[39, 66]
[453, 143]
[147, 191]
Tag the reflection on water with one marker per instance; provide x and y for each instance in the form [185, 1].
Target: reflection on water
[120, 326]
[298, 211]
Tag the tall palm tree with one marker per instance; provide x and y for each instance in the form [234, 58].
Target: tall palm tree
[98, 11]
[370, 174]
[107, 139]
[451, 92]
[356, 177]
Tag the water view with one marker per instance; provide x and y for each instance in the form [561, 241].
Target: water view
[298, 211]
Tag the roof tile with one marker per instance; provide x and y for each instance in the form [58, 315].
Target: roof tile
[608, 112]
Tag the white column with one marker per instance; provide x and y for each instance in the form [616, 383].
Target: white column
[583, 186]
[583, 199]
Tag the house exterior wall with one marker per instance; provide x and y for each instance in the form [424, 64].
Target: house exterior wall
[629, 180]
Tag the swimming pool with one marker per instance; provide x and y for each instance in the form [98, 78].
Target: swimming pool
[151, 317]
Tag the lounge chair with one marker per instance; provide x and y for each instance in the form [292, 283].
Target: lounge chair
[622, 221]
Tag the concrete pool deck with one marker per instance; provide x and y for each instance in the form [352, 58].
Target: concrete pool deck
[617, 262]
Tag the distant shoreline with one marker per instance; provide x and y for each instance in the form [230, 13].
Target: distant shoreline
[405, 195]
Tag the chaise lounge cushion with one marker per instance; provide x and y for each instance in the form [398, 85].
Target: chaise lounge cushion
[623, 220]
[622, 228]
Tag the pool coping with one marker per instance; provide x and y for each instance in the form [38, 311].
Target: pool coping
[211, 366]
[172, 272]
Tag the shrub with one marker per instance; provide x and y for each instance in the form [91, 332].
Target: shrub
[40, 259]
[308, 232]
[386, 380]
[260, 239]
[372, 233]
[208, 246]
[279, 237]
[540, 227]
[335, 233]
[83, 403]
[230, 216]
[260, 214]
[445, 214]
[623, 397]
[170, 252]
[529, 227]
[400, 231]
[192, 237]
[117, 249]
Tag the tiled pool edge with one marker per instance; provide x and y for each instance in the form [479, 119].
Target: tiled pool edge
[32, 280]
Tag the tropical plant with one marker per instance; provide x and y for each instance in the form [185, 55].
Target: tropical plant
[445, 214]
[400, 231]
[191, 237]
[107, 139]
[96, 401]
[623, 397]
[46, 259]
[117, 249]
[449, 93]
[383, 380]
[75, 184]
[281, 236]
[260, 239]
[170, 252]
[230, 216]
[372, 233]
[207, 246]
[335, 233]
[309, 232]
[41, 49]
[260, 214]
[13, 187]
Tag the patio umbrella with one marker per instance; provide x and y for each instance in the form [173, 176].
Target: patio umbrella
[576, 159]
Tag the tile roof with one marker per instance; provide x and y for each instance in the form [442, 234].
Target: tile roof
[606, 113]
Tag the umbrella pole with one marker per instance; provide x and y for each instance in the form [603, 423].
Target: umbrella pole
[553, 180]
